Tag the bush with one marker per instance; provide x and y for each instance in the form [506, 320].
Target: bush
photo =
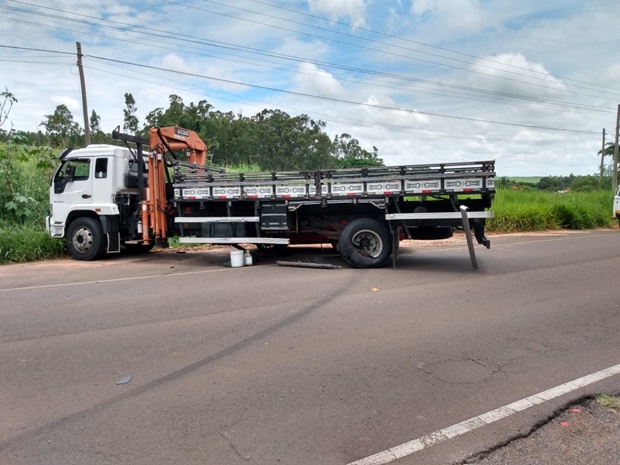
[24, 243]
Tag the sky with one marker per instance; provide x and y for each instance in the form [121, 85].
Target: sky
[529, 84]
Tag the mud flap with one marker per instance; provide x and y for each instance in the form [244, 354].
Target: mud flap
[114, 242]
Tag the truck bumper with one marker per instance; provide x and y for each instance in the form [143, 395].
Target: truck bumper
[54, 229]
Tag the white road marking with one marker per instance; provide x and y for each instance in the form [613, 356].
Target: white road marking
[408, 448]
[131, 278]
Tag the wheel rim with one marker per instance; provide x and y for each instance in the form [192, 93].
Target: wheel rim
[82, 240]
[369, 242]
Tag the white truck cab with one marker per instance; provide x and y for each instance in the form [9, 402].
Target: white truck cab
[87, 192]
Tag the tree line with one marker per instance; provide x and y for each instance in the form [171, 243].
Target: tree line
[268, 140]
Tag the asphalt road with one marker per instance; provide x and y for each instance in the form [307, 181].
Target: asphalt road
[275, 365]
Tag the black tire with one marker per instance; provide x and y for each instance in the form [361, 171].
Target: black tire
[365, 243]
[138, 249]
[85, 239]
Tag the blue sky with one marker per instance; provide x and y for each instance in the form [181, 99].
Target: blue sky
[530, 84]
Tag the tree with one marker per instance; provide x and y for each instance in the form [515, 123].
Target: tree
[97, 135]
[60, 127]
[130, 120]
[283, 142]
[351, 155]
[609, 149]
[95, 123]
[8, 99]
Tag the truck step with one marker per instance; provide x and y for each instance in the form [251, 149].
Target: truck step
[216, 219]
[233, 240]
[436, 216]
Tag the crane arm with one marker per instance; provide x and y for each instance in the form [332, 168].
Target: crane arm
[176, 138]
[162, 140]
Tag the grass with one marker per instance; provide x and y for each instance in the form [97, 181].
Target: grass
[24, 243]
[608, 401]
[520, 211]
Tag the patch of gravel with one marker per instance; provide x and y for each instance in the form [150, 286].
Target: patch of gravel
[582, 434]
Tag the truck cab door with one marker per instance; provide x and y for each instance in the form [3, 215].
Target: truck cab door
[71, 185]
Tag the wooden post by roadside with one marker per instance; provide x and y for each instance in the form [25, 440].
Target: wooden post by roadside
[600, 179]
[615, 175]
[83, 86]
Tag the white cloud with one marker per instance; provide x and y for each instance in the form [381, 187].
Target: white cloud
[312, 80]
[354, 10]
[71, 103]
[512, 72]
[453, 15]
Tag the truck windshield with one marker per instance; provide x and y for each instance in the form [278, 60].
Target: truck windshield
[81, 169]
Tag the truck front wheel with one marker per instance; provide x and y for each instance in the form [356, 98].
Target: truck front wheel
[85, 239]
[365, 243]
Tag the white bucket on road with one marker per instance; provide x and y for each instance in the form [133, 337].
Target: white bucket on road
[236, 258]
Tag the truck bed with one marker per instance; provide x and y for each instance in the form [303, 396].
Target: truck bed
[197, 183]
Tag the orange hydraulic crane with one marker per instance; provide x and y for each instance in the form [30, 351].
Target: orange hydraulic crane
[155, 204]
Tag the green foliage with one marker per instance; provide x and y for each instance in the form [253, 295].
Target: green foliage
[270, 140]
[21, 243]
[243, 168]
[24, 180]
[130, 120]
[608, 401]
[517, 211]
[61, 129]
[8, 100]
[351, 155]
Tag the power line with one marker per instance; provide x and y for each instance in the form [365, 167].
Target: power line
[329, 118]
[237, 48]
[37, 50]
[332, 99]
[340, 23]
[228, 81]
[383, 51]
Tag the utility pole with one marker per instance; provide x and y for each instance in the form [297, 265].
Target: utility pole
[615, 175]
[83, 86]
[600, 179]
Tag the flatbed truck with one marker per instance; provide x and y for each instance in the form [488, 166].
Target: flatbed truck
[105, 198]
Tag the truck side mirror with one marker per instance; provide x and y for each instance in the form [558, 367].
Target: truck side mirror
[70, 174]
[60, 182]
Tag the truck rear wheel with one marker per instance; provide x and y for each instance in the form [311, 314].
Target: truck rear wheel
[85, 239]
[365, 243]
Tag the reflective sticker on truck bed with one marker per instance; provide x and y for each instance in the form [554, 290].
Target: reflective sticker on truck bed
[198, 193]
[226, 192]
[258, 192]
[383, 188]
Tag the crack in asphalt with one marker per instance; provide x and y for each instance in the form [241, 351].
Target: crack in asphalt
[483, 454]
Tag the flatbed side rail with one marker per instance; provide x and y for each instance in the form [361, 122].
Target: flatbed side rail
[464, 178]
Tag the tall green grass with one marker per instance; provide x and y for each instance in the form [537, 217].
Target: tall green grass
[517, 211]
[24, 185]
[24, 243]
